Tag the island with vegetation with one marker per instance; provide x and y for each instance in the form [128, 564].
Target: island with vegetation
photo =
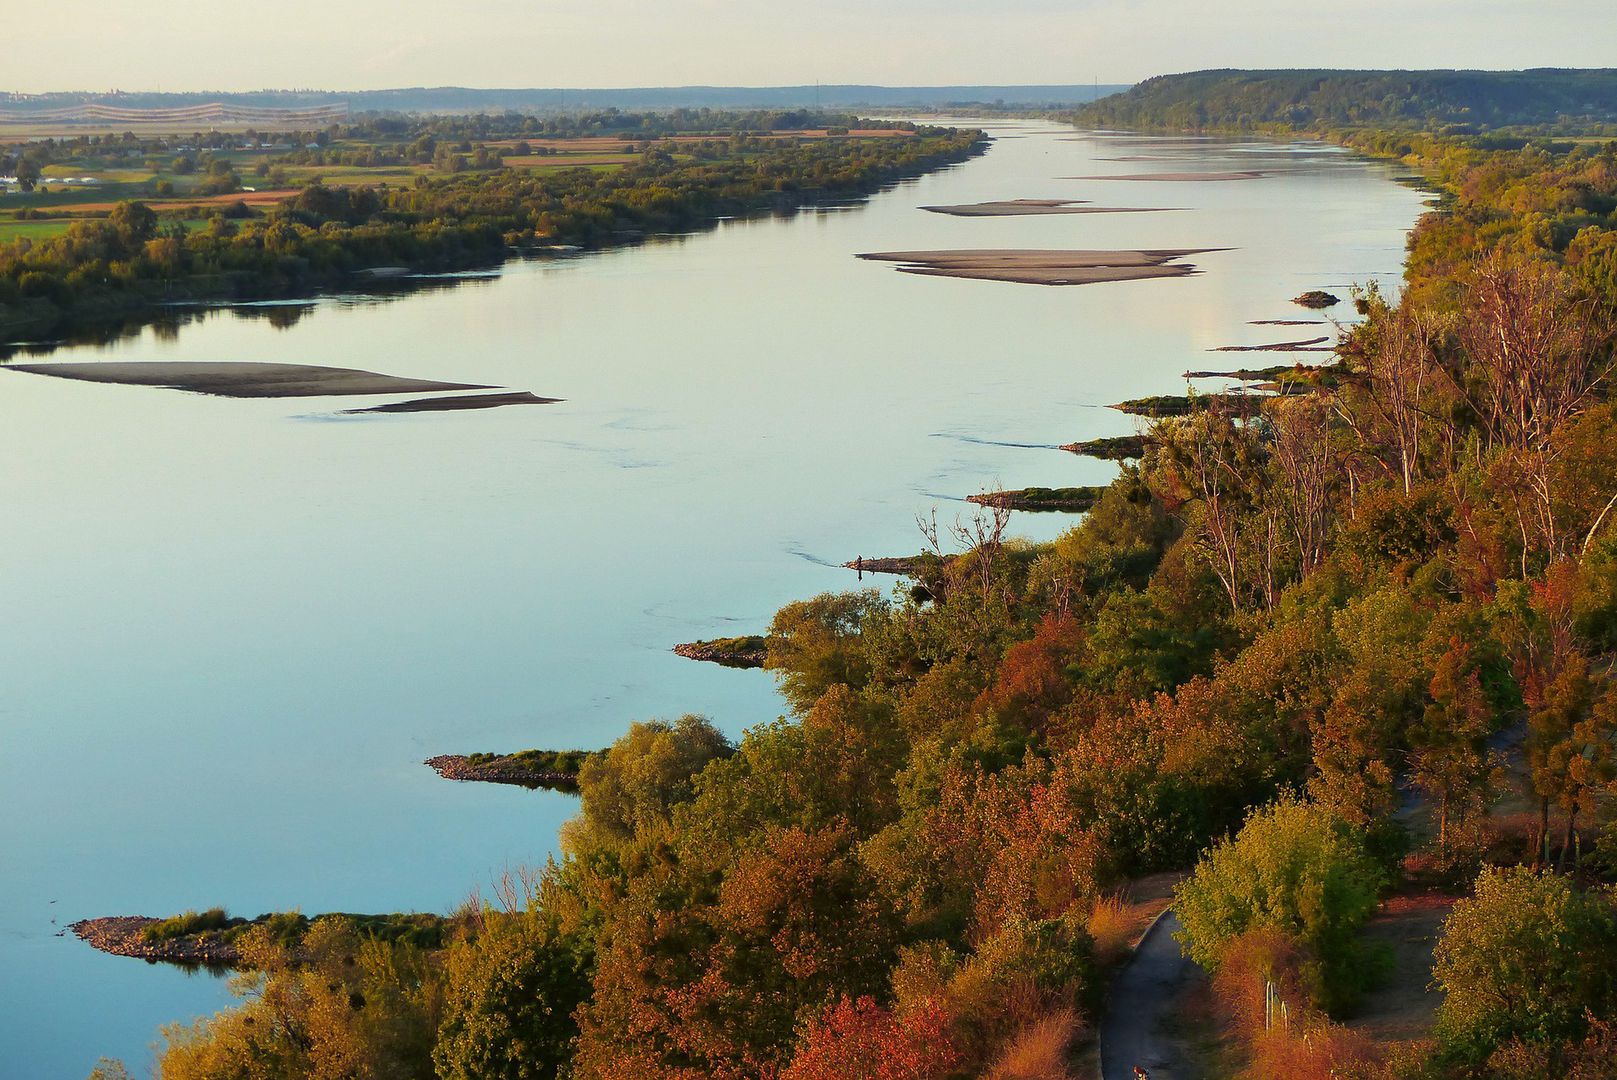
[1332, 669]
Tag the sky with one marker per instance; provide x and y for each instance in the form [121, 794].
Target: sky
[101, 45]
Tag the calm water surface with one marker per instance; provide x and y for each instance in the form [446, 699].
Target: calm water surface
[233, 629]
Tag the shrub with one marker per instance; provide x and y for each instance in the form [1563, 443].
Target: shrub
[861, 1040]
[1297, 869]
[1039, 1050]
[1111, 926]
[1527, 958]
[184, 925]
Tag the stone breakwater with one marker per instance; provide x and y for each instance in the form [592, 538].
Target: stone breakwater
[500, 770]
[121, 935]
[747, 652]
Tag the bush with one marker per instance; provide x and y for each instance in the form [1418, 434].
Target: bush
[1297, 869]
[1527, 958]
[861, 1040]
[184, 925]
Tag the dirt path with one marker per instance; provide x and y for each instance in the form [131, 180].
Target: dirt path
[1145, 999]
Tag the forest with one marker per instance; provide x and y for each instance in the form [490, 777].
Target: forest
[471, 210]
[1328, 653]
[1423, 100]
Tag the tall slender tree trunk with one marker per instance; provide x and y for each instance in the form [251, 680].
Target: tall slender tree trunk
[1541, 845]
[1566, 841]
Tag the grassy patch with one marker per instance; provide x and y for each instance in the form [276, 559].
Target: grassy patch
[747, 651]
[563, 762]
[12, 229]
[188, 924]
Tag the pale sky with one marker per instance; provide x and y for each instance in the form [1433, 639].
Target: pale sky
[371, 44]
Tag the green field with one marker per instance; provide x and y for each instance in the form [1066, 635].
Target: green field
[12, 229]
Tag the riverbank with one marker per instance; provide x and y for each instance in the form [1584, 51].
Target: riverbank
[326, 240]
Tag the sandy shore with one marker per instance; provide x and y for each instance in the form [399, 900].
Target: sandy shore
[244, 380]
[1044, 267]
[1035, 207]
[1180, 177]
[456, 403]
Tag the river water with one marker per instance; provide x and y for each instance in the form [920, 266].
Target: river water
[232, 629]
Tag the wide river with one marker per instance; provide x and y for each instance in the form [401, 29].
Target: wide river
[233, 629]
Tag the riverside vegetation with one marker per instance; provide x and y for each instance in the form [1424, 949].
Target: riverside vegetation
[1318, 649]
[466, 210]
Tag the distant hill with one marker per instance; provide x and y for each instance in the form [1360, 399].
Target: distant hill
[459, 99]
[1245, 99]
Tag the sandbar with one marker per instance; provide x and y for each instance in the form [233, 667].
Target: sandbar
[1045, 267]
[244, 380]
[456, 403]
[1243, 174]
[1033, 207]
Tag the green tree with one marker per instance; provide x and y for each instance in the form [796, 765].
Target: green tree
[635, 785]
[815, 644]
[1566, 704]
[1296, 868]
[1527, 957]
[135, 223]
[508, 1010]
[1448, 757]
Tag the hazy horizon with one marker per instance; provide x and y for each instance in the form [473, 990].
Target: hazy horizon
[197, 46]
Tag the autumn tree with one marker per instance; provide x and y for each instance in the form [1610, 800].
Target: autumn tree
[861, 1040]
[1538, 353]
[637, 783]
[1566, 704]
[815, 644]
[1400, 410]
[1449, 759]
[1213, 462]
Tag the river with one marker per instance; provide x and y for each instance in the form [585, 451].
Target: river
[233, 629]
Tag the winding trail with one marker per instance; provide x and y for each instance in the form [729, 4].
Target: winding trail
[1144, 998]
